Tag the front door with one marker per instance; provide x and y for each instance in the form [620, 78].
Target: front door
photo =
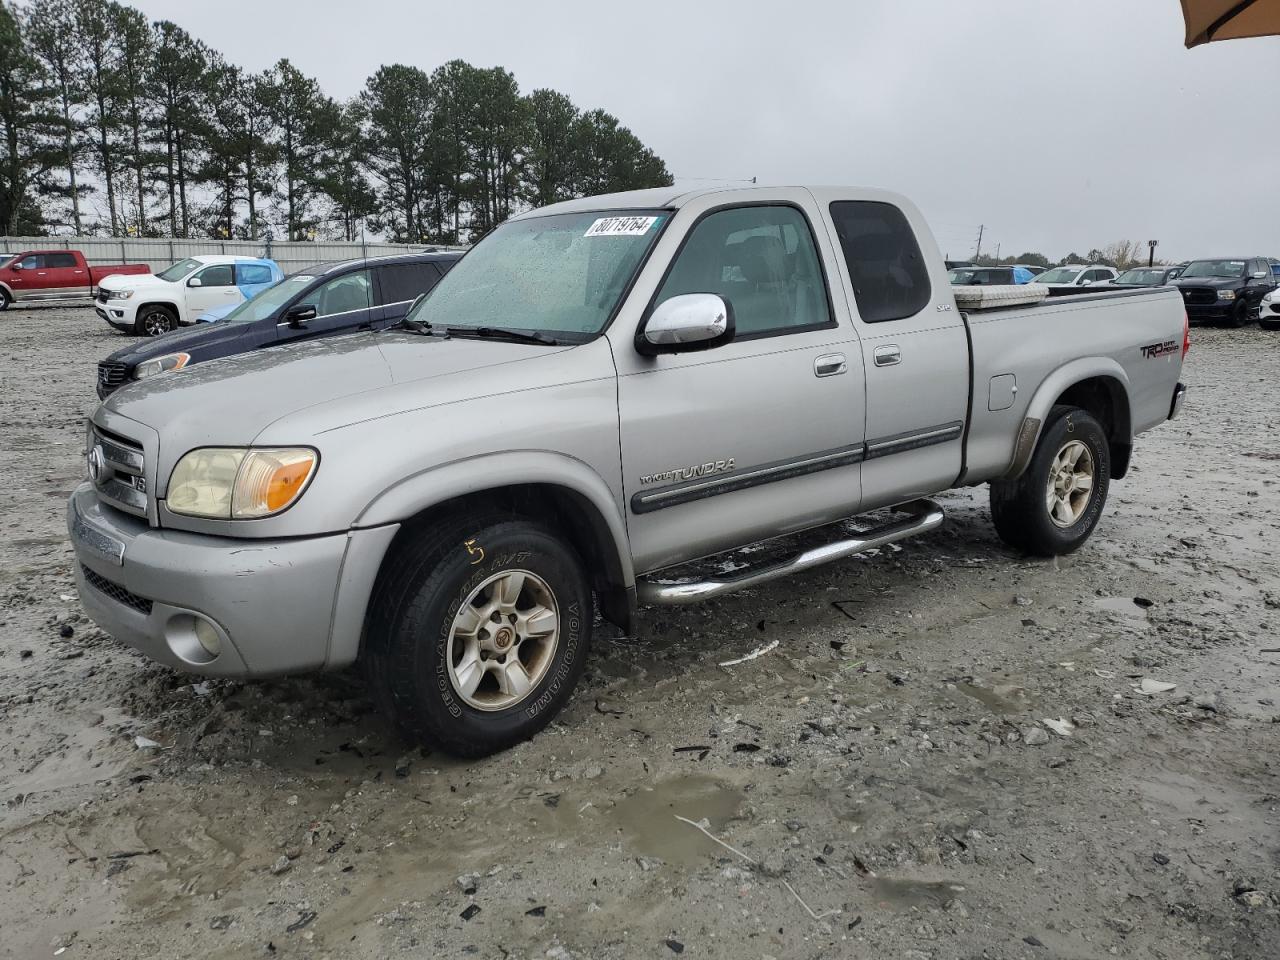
[399, 284]
[345, 302]
[914, 348]
[217, 288]
[26, 276]
[762, 435]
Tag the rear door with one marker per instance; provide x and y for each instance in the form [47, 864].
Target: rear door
[64, 275]
[253, 278]
[399, 284]
[915, 348]
[344, 302]
[217, 288]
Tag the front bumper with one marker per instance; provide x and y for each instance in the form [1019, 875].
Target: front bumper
[277, 606]
[114, 313]
[1219, 310]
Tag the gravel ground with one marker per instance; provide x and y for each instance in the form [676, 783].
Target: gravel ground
[884, 775]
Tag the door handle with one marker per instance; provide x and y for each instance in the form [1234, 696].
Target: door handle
[829, 365]
[888, 356]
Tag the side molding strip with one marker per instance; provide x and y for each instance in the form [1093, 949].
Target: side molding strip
[681, 493]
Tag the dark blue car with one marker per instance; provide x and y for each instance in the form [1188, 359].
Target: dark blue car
[323, 300]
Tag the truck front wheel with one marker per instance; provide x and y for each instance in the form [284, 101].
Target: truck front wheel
[1054, 506]
[477, 633]
[154, 320]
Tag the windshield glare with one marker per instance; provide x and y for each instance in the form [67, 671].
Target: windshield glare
[1140, 277]
[269, 300]
[1215, 268]
[561, 274]
[1060, 275]
[179, 270]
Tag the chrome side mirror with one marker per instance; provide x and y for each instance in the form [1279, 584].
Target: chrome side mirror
[691, 321]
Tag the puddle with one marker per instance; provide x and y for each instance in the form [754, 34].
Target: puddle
[1003, 698]
[904, 894]
[647, 818]
[1121, 605]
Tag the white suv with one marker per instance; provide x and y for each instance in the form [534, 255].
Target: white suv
[153, 304]
[1076, 275]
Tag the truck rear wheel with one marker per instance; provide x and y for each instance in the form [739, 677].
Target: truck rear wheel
[153, 320]
[477, 633]
[1054, 506]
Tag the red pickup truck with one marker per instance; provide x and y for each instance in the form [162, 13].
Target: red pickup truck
[38, 275]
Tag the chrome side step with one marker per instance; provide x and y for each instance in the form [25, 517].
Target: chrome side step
[925, 515]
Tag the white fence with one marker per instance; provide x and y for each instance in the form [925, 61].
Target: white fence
[159, 253]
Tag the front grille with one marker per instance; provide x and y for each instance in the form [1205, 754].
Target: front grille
[1275, 307]
[102, 295]
[1200, 296]
[111, 374]
[116, 592]
[117, 468]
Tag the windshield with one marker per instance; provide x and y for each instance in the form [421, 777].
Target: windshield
[561, 274]
[179, 270]
[1060, 275]
[269, 300]
[1215, 268]
[1140, 277]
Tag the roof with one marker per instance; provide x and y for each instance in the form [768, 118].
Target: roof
[443, 256]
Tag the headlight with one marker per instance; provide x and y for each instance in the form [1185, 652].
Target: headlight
[170, 361]
[233, 483]
[119, 294]
[1226, 294]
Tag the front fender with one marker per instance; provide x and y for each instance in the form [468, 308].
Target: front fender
[1051, 388]
[414, 494]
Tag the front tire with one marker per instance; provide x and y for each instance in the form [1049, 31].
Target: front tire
[1053, 507]
[477, 633]
[154, 320]
[1241, 316]
[5, 299]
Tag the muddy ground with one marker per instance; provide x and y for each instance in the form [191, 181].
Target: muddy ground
[886, 763]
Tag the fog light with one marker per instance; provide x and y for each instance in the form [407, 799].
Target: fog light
[208, 637]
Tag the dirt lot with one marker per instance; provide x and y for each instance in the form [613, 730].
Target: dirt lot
[887, 762]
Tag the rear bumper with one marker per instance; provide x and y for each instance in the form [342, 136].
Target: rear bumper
[1179, 396]
[277, 606]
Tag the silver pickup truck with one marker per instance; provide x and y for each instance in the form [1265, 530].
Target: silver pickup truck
[598, 391]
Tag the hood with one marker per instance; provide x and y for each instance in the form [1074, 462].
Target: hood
[1214, 283]
[231, 401]
[132, 281]
[188, 339]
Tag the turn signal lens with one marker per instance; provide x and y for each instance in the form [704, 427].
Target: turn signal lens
[270, 480]
[1186, 335]
[226, 483]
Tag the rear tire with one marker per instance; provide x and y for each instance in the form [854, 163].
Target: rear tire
[477, 632]
[1053, 507]
[154, 320]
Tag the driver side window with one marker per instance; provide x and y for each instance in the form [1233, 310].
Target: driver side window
[351, 291]
[220, 275]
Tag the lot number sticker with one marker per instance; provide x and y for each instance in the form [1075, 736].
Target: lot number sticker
[621, 227]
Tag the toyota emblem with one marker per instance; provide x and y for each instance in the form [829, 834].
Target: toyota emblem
[97, 463]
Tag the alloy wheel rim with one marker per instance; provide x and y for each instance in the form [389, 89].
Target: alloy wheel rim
[1070, 487]
[156, 324]
[503, 640]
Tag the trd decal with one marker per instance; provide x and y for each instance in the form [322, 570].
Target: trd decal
[1160, 349]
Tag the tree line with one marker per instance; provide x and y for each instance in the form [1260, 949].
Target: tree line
[1121, 254]
[115, 125]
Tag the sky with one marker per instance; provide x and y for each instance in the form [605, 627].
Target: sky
[1058, 127]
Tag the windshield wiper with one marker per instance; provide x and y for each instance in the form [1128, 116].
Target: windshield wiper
[498, 333]
[421, 328]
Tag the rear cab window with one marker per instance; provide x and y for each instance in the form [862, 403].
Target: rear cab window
[888, 271]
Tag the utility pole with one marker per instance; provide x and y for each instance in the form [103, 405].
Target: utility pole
[1151, 252]
[997, 253]
[978, 252]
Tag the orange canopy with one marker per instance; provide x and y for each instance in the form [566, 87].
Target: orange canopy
[1209, 20]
